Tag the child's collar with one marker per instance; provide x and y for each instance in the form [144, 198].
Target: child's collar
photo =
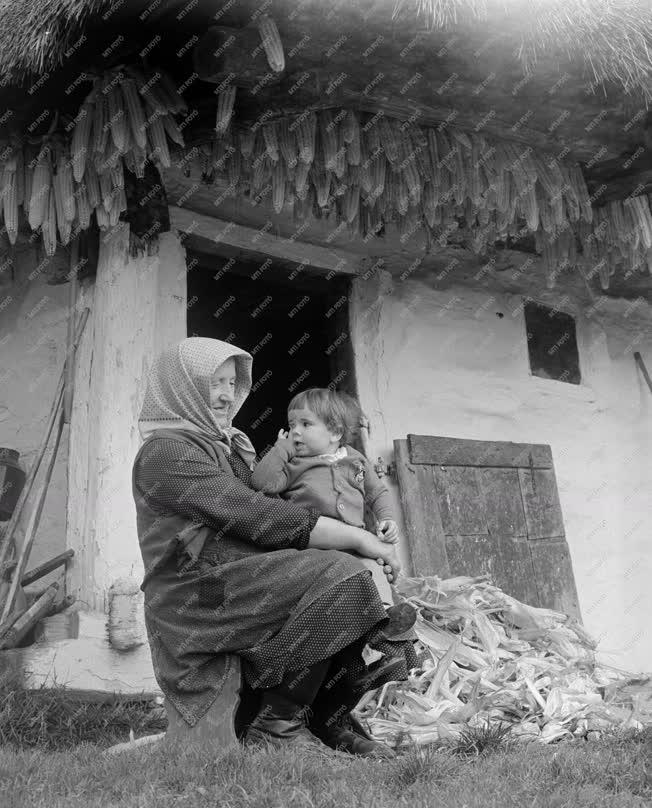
[337, 455]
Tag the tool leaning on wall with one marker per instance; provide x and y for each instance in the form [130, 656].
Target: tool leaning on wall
[17, 617]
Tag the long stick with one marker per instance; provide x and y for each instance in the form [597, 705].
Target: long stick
[34, 520]
[39, 609]
[641, 364]
[7, 538]
[46, 568]
[69, 368]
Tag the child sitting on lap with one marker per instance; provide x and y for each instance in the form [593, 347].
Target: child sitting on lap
[314, 466]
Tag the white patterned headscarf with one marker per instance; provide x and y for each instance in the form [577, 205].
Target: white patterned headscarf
[178, 392]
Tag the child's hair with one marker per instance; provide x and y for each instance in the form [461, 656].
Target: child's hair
[339, 411]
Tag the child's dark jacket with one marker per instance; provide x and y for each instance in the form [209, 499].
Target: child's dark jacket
[339, 488]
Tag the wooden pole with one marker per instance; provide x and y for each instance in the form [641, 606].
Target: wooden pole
[39, 609]
[70, 340]
[641, 364]
[45, 568]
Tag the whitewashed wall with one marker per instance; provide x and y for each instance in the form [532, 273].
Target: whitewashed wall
[33, 325]
[443, 363]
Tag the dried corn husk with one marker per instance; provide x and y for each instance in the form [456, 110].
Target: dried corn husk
[485, 656]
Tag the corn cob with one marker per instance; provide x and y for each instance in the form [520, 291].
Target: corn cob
[28, 177]
[49, 225]
[288, 143]
[20, 176]
[246, 142]
[63, 224]
[234, 168]
[366, 177]
[117, 117]
[461, 137]
[581, 192]
[225, 104]
[81, 137]
[84, 209]
[419, 147]
[322, 183]
[158, 141]
[301, 175]
[352, 138]
[278, 186]
[530, 208]
[10, 204]
[372, 138]
[340, 157]
[379, 175]
[271, 42]
[100, 118]
[172, 130]
[106, 189]
[135, 114]
[328, 138]
[412, 181]
[389, 139]
[402, 194]
[262, 172]
[102, 217]
[430, 202]
[271, 141]
[117, 175]
[114, 212]
[290, 196]
[306, 132]
[67, 187]
[433, 152]
[472, 161]
[170, 91]
[40, 185]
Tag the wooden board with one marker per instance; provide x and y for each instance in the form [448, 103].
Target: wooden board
[503, 520]
[426, 538]
[477, 453]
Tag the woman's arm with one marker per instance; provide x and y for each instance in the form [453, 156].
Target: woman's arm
[178, 477]
[331, 534]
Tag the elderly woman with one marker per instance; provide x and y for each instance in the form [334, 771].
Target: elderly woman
[231, 571]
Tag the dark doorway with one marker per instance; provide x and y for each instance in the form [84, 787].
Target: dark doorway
[294, 324]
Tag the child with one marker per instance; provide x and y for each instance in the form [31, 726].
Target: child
[314, 466]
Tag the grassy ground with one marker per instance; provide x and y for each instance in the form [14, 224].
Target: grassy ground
[582, 775]
[47, 761]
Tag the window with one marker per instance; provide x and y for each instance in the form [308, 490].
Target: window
[552, 344]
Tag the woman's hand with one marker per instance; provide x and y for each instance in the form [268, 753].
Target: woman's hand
[371, 546]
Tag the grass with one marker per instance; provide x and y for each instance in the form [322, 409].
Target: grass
[47, 761]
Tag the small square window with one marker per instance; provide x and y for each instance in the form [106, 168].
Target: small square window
[552, 344]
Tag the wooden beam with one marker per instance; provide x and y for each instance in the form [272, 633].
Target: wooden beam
[259, 241]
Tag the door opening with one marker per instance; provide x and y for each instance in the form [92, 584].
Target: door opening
[294, 324]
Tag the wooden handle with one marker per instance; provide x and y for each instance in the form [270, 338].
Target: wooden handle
[25, 622]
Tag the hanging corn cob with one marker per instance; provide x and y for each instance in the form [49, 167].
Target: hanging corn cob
[225, 104]
[271, 42]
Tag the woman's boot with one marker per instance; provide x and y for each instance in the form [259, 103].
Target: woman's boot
[282, 717]
[332, 721]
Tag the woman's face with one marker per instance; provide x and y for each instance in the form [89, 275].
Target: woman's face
[222, 391]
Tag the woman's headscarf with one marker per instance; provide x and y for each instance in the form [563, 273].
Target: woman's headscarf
[178, 392]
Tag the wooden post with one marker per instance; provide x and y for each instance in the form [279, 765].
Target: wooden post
[138, 309]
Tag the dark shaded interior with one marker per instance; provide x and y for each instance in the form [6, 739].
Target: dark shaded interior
[552, 344]
[296, 328]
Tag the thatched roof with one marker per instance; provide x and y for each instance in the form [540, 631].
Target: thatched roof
[612, 37]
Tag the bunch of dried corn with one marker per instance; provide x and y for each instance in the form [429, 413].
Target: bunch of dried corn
[486, 657]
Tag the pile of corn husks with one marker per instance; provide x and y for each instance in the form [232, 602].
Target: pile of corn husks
[487, 658]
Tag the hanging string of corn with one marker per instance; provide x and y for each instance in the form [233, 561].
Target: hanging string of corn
[63, 178]
[372, 171]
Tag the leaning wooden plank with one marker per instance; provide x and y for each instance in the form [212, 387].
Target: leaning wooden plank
[46, 568]
[25, 622]
[440, 451]
[259, 241]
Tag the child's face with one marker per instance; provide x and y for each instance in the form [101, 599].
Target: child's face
[310, 435]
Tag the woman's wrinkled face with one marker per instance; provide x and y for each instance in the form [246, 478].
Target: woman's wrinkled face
[310, 435]
[222, 391]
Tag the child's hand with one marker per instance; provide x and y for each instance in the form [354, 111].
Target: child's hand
[387, 531]
[283, 442]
